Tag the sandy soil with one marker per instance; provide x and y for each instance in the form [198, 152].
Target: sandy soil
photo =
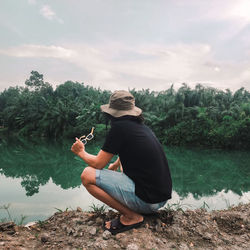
[197, 229]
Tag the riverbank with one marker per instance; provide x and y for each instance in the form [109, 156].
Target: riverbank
[191, 229]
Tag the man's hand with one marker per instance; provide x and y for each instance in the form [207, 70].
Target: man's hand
[116, 165]
[113, 167]
[77, 147]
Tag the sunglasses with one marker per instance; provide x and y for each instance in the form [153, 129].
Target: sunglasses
[89, 137]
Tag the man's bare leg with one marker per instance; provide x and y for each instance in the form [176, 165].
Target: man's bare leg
[128, 216]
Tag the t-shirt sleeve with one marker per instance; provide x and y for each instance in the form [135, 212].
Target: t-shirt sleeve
[113, 140]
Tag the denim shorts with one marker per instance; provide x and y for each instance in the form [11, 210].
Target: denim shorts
[122, 188]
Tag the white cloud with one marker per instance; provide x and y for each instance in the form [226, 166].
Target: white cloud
[38, 51]
[157, 66]
[240, 9]
[233, 15]
[49, 14]
[118, 66]
[217, 69]
[220, 10]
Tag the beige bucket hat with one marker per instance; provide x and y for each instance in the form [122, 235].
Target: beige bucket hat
[121, 103]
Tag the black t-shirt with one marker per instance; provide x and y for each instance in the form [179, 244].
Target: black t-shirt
[142, 158]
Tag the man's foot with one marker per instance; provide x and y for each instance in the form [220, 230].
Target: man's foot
[127, 221]
[116, 226]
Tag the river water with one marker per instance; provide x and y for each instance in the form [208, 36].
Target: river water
[39, 177]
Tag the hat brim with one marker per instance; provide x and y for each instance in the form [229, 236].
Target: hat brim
[118, 113]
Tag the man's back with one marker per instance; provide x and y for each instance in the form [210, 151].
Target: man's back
[142, 158]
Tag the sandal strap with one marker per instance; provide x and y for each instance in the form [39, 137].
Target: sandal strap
[116, 223]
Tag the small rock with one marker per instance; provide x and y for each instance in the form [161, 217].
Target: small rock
[89, 245]
[158, 241]
[158, 228]
[207, 236]
[164, 241]
[89, 214]
[101, 244]
[30, 224]
[78, 209]
[106, 235]
[2, 243]
[90, 223]
[132, 246]
[5, 226]
[99, 221]
[44, 237]
[92, 231]
[30, 238]
[69, 231]
[75, 234]
[10, 232]
[79, 229]
[120, 236]
[158, 221]
[183, 247]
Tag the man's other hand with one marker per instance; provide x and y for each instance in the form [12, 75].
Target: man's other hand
[113, 167]
[77, 147]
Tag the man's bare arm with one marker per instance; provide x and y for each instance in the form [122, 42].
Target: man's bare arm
[98, 161]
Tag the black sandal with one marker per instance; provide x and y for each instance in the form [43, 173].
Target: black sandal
[117, 227]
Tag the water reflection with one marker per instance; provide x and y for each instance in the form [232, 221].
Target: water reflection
[196, 171]
[205, 172]
[38, 161]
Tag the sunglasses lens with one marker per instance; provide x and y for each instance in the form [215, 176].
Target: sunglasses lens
[90, 136]
[84, 141]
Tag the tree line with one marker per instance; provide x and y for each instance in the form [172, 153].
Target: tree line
[199, 116]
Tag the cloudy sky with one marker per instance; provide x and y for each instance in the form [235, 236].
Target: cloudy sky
[121, 44]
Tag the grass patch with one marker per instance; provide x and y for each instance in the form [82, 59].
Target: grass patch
[61, 210]
[99, 209]
[17, 221]
[178, 206]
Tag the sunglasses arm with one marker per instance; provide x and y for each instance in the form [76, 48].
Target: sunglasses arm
[82, 137]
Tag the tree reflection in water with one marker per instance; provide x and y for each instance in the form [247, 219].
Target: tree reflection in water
[204, 172]
[201, 172]
[36, 161]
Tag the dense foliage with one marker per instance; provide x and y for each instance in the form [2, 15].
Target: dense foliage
[200, 116]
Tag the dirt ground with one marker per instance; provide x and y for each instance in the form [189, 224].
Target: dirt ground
[196, 229]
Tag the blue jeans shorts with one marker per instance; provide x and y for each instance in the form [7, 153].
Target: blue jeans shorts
[122, 188]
